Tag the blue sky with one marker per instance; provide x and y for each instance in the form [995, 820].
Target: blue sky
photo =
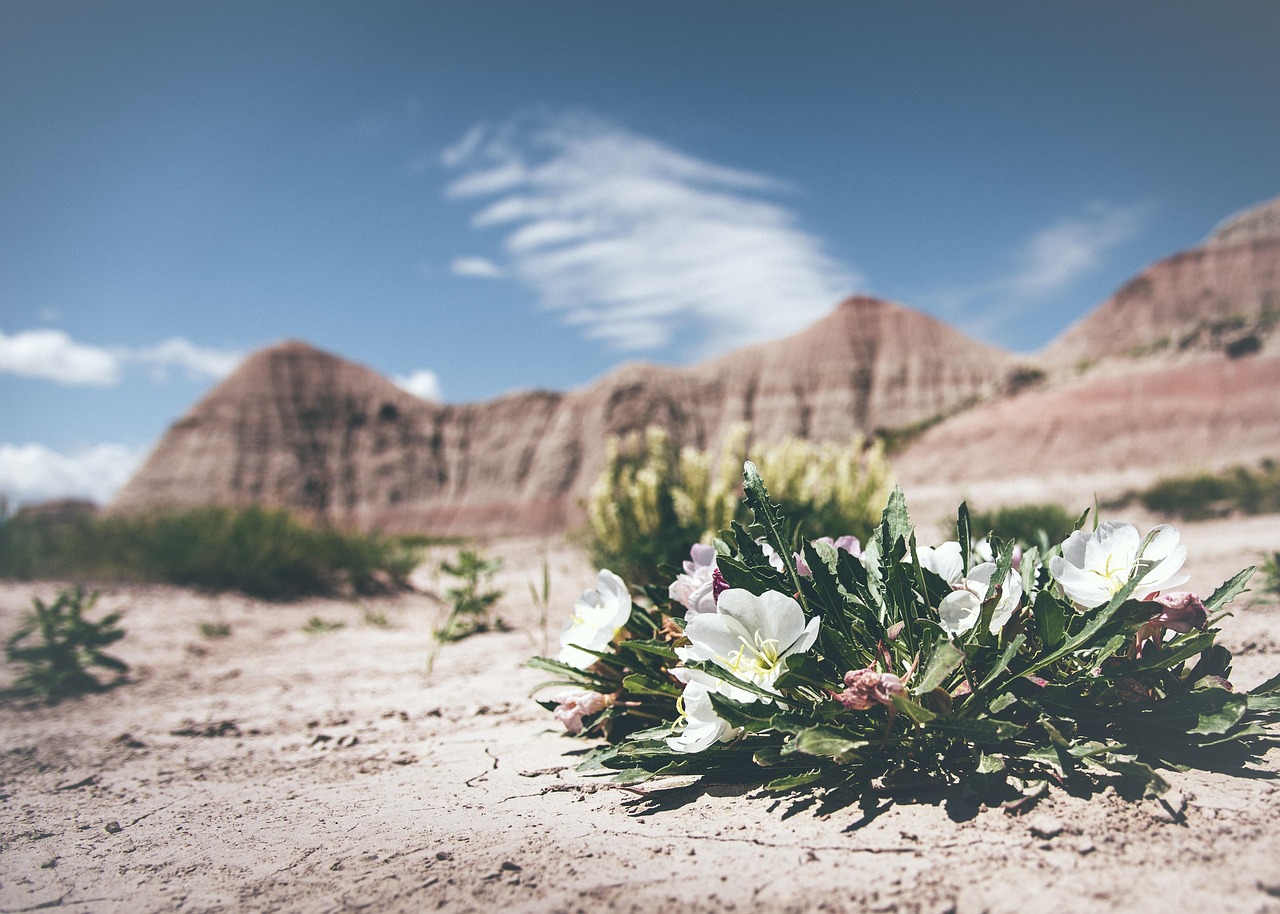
[484, 196]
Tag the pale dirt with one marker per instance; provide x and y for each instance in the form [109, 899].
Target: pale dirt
[274, 770]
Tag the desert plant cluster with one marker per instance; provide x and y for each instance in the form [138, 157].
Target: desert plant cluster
[997, 667]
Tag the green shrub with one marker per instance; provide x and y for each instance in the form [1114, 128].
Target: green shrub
[57, 665]
[1041, 525]
[259, 551]
[652, 501]
[1238, 490]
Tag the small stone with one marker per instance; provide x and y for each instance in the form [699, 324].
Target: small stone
[1045, 827]
[113, 827]
[443, 855]
[1085, 847]
[511, 867]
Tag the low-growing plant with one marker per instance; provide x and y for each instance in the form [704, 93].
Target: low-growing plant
[318, 626]
[57, 647]
[1271, 575]
[375, 617]
[907, 667]
[1238, 490]
[262, 552]
[1033, 525]
[471, 599]
[653, 500]
[215, 630]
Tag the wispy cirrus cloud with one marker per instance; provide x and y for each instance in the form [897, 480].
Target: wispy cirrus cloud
[52, 355]
[640, 244]
[1050, 262]
[32, 472]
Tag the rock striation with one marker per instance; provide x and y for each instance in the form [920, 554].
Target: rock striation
[303, 429]
[1207, 297]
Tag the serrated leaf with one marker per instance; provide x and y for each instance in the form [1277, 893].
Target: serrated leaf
[826, 743]
[792, 781]
[1229, 591]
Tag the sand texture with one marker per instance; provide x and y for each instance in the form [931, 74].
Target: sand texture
[273, 770]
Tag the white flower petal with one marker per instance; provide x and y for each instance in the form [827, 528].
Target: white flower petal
[958, 612]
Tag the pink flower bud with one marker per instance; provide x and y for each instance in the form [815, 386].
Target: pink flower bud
[864, 689]
[574, 706]
[1181, 612]
[718, 584]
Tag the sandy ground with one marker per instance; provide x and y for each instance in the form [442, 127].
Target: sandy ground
[273, 770]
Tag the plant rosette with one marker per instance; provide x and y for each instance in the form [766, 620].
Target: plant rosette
[971, 663]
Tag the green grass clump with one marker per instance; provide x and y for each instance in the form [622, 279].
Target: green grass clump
[260, 551]
[57, 646]
[1034, 524]
[1239, 490]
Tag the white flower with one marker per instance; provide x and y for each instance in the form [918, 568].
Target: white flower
[944, 561]
[959, 611]
[750, 636]
[703, 726]
[1094, 566]
[714, 684]
[598, 616]
[695, 588]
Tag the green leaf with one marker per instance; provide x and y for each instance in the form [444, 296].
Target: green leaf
[918, 713]
[570, 672]
[990, 764]
[945, 660]
[1219, 710]
[1050, 619]
[979, 731]
[650, 646]
[1143, 773]
[770, 521]
[792, 781]
[640, 684]
[1228, 591]
[1006, 657]
[1168, 655]
[963, 536]
[827, 743]
[895, 520]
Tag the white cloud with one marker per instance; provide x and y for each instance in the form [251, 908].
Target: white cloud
[1047, 265]
[421, 383]
[640, 244]
[54, 356]
[477, 266]
[32, 472]
[197, 361]
[1057, 256]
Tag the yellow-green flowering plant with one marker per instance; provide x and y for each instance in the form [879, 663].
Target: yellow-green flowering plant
[972, 663]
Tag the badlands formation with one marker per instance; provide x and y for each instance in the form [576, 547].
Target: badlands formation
[1177, 372]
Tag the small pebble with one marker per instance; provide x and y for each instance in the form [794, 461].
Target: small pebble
[1045, 827]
